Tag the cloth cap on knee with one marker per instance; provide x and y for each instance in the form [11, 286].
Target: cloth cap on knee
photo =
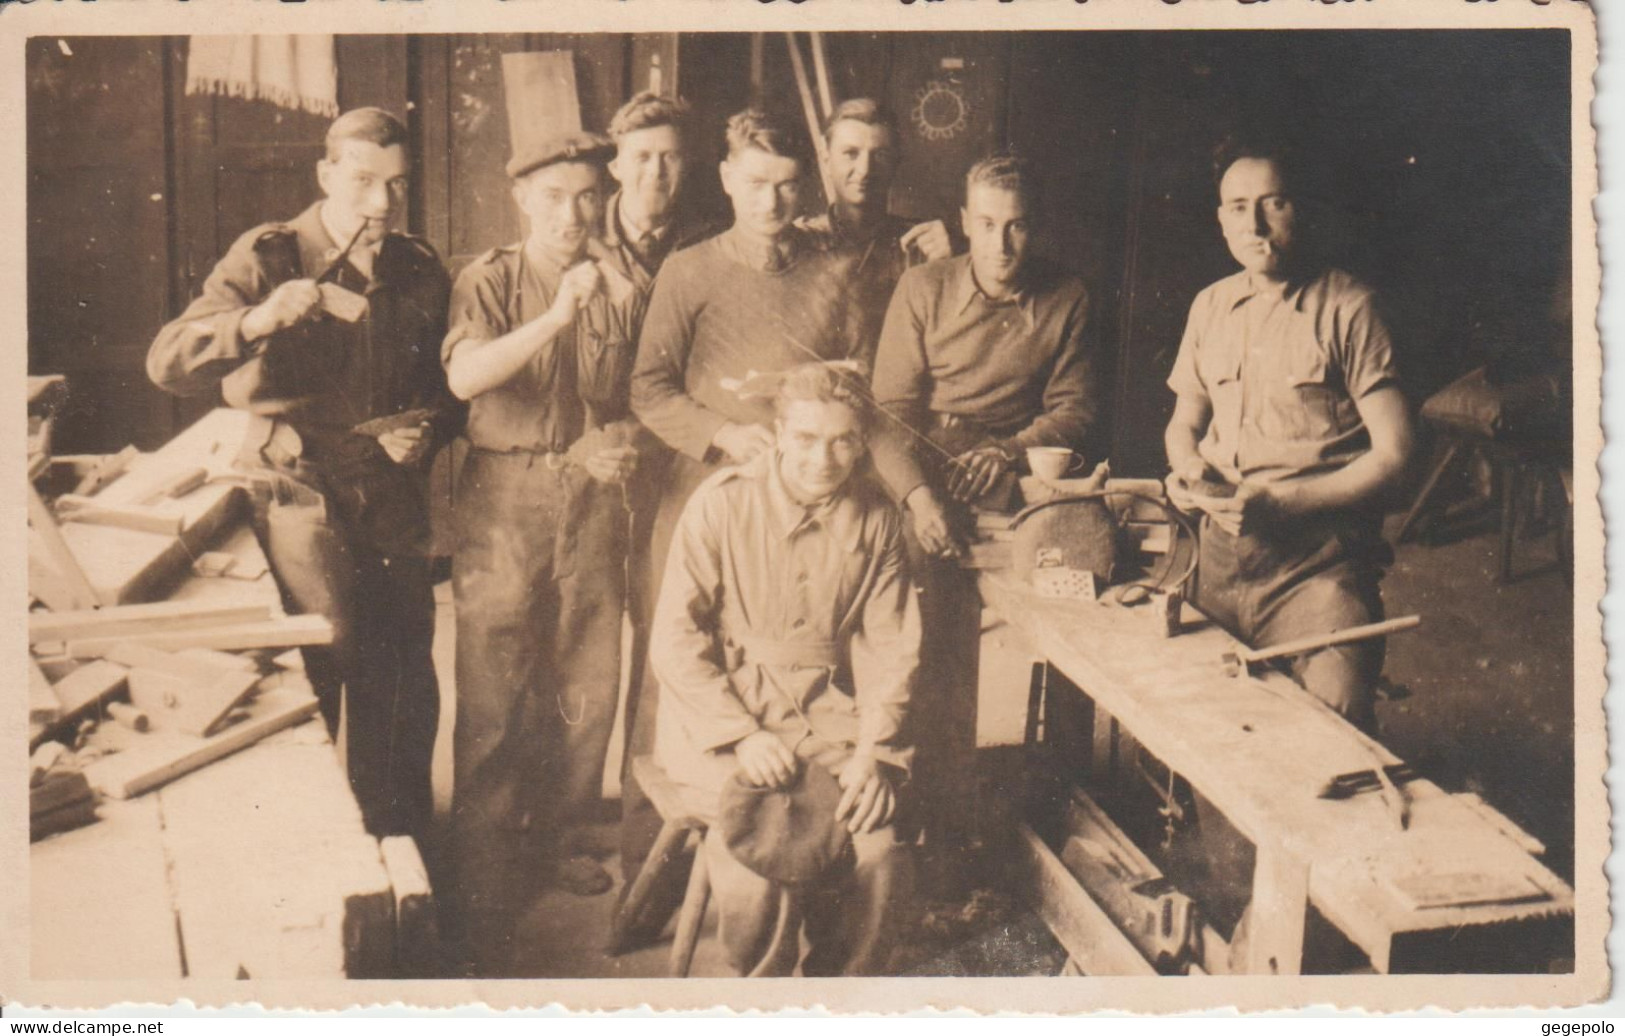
[784, 834]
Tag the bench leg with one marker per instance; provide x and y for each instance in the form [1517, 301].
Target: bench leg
[695, 900]
[1276, 918]
[1432, 483]
[668, 845]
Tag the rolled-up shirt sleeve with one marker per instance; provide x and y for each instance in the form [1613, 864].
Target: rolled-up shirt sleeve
[477, 312]
[885, 654]
[197, 349]
[900, 388]
[660, 395]
[1366, 350]
[685, 648]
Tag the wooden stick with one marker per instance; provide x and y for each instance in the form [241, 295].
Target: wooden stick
[160, 758]
[809, 109]
[1348, 636]
[43, 522]
[821, 71]
[136, 619]
[129, 716]
[295, 631]
[121, 516]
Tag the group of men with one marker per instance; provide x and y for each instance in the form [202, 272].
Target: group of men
[679, 425]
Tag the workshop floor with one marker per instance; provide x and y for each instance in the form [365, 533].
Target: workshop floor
[1490, 710]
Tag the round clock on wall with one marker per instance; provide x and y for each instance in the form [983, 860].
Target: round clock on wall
[940, 111]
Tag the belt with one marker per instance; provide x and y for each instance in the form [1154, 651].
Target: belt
[554, 459]
[812, 654]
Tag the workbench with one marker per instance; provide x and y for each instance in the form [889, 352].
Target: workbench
[1260, 750]
[256, 865]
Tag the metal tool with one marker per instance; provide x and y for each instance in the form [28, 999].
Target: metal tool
[1384, 780]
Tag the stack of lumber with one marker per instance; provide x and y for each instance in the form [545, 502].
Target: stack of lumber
[59, 796]
[167, 673]
[183, 679]
[228, 843]
[134, 523]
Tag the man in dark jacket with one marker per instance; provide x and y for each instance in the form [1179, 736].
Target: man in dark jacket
[317, 326]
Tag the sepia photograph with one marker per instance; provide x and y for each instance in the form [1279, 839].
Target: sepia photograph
[885, 506]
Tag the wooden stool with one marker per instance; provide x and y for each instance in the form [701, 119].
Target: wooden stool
[679, 831]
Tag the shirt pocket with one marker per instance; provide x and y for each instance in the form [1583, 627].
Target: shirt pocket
[605, 367]
[1301, 401]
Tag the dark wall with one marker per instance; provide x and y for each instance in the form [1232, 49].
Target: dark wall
[1445, 156]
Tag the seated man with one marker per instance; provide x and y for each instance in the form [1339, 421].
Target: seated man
[786, 637]
[1288, 428]
[982, 356]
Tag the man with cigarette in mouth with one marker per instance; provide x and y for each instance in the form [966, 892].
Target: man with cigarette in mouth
[325, 328]
[1288, 429]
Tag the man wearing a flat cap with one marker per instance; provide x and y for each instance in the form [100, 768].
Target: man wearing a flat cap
[786, 641]
[540, 342]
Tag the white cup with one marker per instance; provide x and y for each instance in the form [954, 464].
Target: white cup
[1052, 463]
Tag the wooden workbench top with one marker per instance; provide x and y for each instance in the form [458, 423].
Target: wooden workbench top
[1261, 749]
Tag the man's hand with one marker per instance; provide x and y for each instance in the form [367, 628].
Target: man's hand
[868, 799]
[767, 761]
[1180, 481]
[612, 466]
[931, 239]
[579, 284]
[973, 472]
[931, 526]
[406, 445]
[1254, 507]
[291, 303]
[741, 442]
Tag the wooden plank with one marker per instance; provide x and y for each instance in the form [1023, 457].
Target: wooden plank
[1076, 920]
[86, 511]
[220, 659]
[64, 787]
[417, 931]
[293, 631]
[58, 555]
[127, 566]
[189, 706]
[162, 757]
[176, 663]
[275, 875]
[45, 583]
[140, 618]
[43, 704]
[88, 687]
[105, 470]
[1276, 917]
[126, 928]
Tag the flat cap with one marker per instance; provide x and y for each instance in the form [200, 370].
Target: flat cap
[784, 834]
[580, 146]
